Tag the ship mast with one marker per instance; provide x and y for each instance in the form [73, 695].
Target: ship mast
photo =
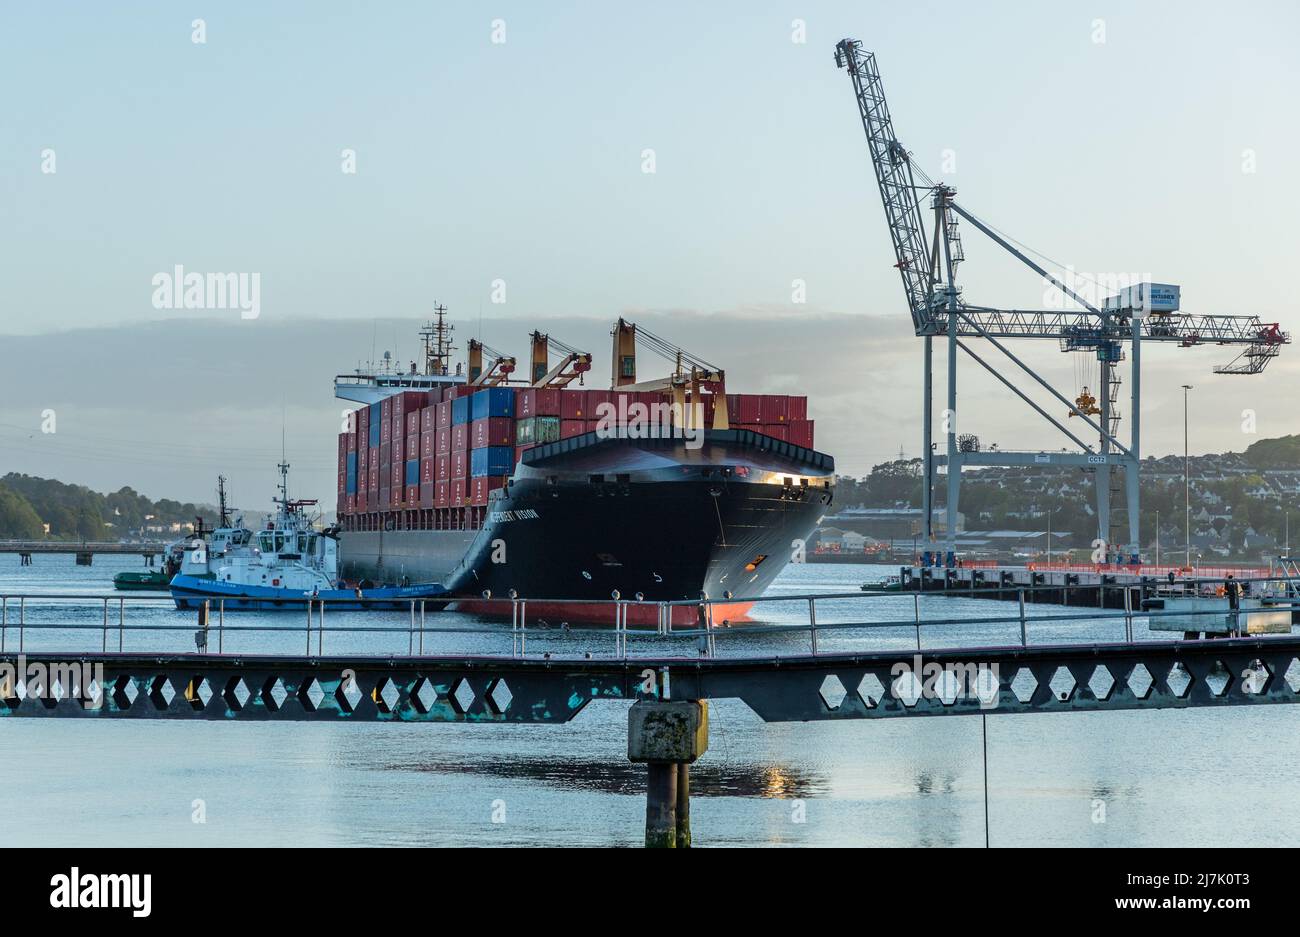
[223, 514]
[437, 343]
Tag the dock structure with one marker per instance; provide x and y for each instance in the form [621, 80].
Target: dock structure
[83, 551]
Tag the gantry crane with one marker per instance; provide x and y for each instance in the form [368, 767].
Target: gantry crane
[927, 262]
[573, 363]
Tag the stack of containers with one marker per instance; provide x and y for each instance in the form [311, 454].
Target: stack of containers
[385, 453]
[412, 495]
[460, 419]
[573, 413]
[538, 412]
[801, 428]
[442, 454]
[426, 454]
[492, 441]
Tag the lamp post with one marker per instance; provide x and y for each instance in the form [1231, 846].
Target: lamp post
[1187, 499]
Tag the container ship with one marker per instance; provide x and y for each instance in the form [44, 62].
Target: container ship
[669, 489]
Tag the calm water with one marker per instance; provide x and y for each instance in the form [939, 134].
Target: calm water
[1165, 778]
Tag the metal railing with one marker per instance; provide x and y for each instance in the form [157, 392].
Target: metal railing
[110, 618]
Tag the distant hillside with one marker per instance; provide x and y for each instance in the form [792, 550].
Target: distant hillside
[1280, 453]
[74, 512]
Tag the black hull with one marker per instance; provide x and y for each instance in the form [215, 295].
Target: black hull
[587, 518]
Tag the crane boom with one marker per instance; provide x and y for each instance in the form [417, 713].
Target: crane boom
[893, 167]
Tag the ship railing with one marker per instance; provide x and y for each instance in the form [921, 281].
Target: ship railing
[644, 623]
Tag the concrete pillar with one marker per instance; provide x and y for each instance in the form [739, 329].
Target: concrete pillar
[667, 735]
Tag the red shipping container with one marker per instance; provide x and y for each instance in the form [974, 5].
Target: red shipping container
[412, 494]
[412, 449]
[433, 397]
[801, 433]
[798, 408]
[363, 422]
[594, 399]
[408, 401]
[492, 431]
[352, 504]
[426, 420]
[385, 499]
[426, 495]
[570, 428]
[442, 467]
[484, 485]
[412, 422]
[352, 441]
[442, 440]
[775, 408]
[397, 475]
[426, 471]
[398, 430]
[746, 409]
[459, 492]
[426, 445]
[460, 438]
[397, 452]
[442, 414]
[361, 502]
[459, 464]
[386, 455]
[573, 405]
[777, 431]
[373, 487]
[442, 493]
[538, 401]
[386, 409]
[386, 431]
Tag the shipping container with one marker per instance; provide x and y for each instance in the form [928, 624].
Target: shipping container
[386, 409]
[373, 487]
[351, 480]
[397, 475]
[460, 464]
[493, 460]
[460, 411]
[385, 455]
[801, 433]
[442, 414]
[412, 448]
[538, 401]
[374, 423]
[459, 492]
[492, 401]
[385, 431]
[433, 397]
[775, 408]
[412, 471]
[492, 431]
[779, 431]
[426, 420]
[442, 441]
[798, 408]
[398, 451]
[570, 428]
[537, 430]
[594, 409]
[426, 494]
[1147, 297]
[363, 502]
[408, 401]
[426, 445]
[426, 471]
[441, 467]
[460, 437]
[482, 486]
[442, 493]
[573, 404]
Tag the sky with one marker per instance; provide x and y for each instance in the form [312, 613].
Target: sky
[500, 153]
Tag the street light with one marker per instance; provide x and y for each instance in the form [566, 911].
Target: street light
[1187, 500]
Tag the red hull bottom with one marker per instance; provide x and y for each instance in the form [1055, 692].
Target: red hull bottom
[554, 613]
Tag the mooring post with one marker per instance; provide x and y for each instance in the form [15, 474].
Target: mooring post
[667, 735]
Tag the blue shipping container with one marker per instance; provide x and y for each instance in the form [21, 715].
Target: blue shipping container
[351, 484]
[413, 471]
[376, 418]
[459, 411]
[492, 401]
[494, 460]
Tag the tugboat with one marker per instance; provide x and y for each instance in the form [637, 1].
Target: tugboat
[159, 580]
[280, 567]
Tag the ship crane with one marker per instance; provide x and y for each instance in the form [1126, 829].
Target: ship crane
[573, 363]
[690, 379]
[498, 372]
[927, 259]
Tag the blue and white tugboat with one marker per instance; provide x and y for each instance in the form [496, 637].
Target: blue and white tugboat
[280, 567]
